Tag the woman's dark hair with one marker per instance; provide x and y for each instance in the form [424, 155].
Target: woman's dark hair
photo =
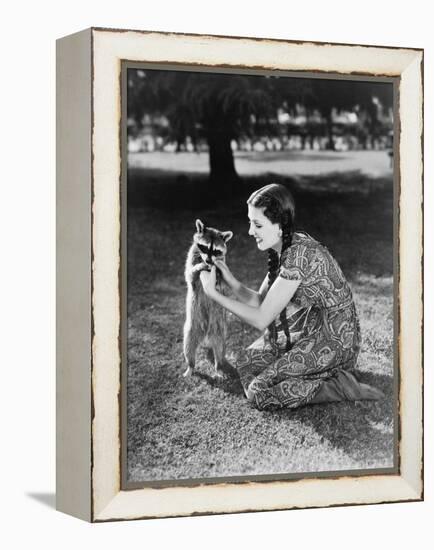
[279, 207]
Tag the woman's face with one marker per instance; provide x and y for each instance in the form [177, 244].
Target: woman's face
[267, 234]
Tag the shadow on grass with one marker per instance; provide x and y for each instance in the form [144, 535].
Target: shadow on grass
[294, 156]
[227, 385]
[350, 213]
[354, 427]
[167, 189]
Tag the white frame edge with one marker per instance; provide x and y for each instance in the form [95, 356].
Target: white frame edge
[109, 48]
[73, 274]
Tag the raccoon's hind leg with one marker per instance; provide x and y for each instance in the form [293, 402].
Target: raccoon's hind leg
[192, 337]
[221, 365]
[217, 336]
[218, 349]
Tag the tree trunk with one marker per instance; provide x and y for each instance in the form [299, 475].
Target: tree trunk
[330, 143]
[221, 160]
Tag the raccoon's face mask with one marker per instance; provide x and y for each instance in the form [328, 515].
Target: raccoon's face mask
[211, 243]
[210, 253]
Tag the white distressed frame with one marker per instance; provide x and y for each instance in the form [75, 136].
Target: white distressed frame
[107, 49]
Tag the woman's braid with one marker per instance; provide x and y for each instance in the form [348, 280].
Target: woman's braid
[273, 267]
[286, 243]
[274, 264]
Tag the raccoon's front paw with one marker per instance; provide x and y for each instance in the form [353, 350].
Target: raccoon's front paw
[201, 267]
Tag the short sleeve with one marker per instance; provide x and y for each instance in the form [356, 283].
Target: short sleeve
[295, 263]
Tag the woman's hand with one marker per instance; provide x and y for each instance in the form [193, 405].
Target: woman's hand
[208, 280]
[228, 278]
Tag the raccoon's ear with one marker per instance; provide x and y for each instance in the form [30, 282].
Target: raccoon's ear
[227, 236]
[199, 226]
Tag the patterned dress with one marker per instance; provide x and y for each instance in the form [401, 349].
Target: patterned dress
[325, 338]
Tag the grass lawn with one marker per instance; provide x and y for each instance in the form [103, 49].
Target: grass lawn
[199, 428]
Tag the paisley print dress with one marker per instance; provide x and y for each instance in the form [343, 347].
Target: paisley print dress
[325, 338]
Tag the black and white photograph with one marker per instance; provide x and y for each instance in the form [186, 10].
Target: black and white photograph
[260, 305]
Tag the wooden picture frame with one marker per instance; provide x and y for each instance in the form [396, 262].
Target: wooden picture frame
[89, 273]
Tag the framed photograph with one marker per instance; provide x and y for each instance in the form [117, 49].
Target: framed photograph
[239, 274]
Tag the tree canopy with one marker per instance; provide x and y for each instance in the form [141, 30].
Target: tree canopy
[221, 107]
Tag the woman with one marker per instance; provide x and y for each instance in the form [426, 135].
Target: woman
[305, 303]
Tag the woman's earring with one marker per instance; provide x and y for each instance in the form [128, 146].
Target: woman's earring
[280, 233]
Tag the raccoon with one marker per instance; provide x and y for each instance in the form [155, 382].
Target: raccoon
[205, 320]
